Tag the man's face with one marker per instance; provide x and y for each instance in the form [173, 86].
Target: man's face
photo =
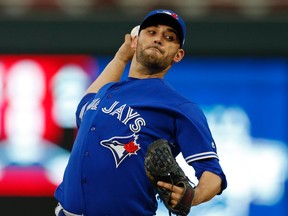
[157, 47]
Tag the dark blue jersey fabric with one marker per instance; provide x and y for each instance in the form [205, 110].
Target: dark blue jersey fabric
[105, 173]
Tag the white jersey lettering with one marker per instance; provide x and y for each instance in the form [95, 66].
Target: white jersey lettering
[136, 127]
[119, 112]
[130, 115]
[105, 110]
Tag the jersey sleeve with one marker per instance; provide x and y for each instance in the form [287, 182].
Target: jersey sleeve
[82, 107]
[197, 144]
[211, 165]
[193, 134]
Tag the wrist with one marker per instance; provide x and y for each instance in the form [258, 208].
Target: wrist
[120, 60]
[197, 197]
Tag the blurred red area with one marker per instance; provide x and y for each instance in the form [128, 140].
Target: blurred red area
[25, 181]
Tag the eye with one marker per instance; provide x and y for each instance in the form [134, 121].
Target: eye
[170, 37]
[150, 31]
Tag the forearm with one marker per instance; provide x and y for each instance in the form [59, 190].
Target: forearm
[112, 73]
[209, 185]
[114, 70]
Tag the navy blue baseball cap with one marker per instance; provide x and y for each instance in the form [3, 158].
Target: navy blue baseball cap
[166, 17]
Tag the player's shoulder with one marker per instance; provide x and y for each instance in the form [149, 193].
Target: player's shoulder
[157, 91]
[175, 96]
[183, 104]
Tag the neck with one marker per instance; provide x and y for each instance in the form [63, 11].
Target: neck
[139, 75]
[139, 71]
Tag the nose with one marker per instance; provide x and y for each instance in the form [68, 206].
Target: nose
[157, 39]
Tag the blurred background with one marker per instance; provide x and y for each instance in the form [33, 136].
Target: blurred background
[235, 68]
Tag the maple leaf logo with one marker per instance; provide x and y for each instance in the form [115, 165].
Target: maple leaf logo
[131, 147]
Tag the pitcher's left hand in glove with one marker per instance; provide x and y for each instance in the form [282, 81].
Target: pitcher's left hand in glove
[160, 165]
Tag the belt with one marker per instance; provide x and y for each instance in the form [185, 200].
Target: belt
[59, 208]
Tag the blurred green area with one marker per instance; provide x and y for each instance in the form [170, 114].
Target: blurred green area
[97, 27]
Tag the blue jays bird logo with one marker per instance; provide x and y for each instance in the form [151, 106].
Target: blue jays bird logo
[122, 147]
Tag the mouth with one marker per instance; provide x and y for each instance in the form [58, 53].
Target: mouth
[156, 48]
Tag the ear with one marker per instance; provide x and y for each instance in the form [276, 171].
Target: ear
[134, 42]
[179, 55]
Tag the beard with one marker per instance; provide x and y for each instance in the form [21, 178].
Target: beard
[152, 60]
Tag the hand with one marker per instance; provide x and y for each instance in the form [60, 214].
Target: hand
[126, 51]
[176, 192]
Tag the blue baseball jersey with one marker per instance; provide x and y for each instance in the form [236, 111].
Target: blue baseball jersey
[105, 174]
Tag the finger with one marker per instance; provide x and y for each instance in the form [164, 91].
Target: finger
[170, 187]
[175, 198]
[128, 38]
[173, 202]
[165, 185]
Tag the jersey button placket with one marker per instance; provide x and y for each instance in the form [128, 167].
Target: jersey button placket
[86, 154]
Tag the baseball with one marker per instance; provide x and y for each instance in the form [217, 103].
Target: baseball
[135, 31]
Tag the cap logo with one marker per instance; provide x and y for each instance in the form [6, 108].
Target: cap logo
[174, 15]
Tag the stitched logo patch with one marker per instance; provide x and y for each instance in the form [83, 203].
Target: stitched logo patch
[122, 147]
